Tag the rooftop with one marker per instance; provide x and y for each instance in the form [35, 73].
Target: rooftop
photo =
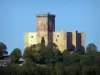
[47, 14]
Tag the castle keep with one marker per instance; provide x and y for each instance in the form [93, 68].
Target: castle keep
[45, 28]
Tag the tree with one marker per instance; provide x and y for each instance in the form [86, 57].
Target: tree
[28, 54]
[59, 68]
[76, 58]
[41, 54]
[97, 70]
[52, 54]
[42, 40]
[3, 50]
[91, 48]
[73, 69]
[15, 55]
[34, 52]
[66, 57]
[96, 58]
[85, 70]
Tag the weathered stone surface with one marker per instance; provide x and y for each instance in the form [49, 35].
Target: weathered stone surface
[45, 28]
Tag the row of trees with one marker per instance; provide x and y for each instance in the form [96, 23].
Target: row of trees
[48, 60]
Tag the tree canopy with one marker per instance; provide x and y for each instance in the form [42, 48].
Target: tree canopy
[3, 50]
[15, 55]
[48, 60]
[91, 48]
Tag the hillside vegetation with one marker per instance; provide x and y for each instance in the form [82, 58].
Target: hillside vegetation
[48, 60]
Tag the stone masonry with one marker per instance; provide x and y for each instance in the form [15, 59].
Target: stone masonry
[45, 28]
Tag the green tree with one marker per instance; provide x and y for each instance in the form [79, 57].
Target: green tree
[59, 68]
[76, 58]
[91, 48]
[38, 54]
[66, 57]
[28, 54]
[48, 54]
[88, 70]
[97, 70]
[11, 69]
[52, 54]
[85, 70]
[3, 50]
[34, 52]
[51, 68]
[88, 59]
[97, 59]
[15, 55]
[73, 69]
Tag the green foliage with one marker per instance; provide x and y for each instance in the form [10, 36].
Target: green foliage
[48, 60]
[28, 53]
[91, 48]
[51, 54]
[73, 69]
[59, 69]
[85, 70]
[3, 50]
[66, 57]
[15, 55]
[34, 52]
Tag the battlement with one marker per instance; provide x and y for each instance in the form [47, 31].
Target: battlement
[64, 40]
[45, 15]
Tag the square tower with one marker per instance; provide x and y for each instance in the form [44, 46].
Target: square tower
[45, 27]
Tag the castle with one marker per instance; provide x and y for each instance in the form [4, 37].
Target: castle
[45, 28]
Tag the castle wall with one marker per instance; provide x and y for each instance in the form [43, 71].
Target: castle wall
[74, 40]
[30, 38]
[42, 28]
[26, 40]
[79, 41]
[46, 29]
[69, 40]
[64, 40]
[82, 40]
[60, 39]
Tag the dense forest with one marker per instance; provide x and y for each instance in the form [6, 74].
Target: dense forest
[48, 60]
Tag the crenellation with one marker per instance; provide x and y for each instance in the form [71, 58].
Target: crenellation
[64, 40]
[45, 15]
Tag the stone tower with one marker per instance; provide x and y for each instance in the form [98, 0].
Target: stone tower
[45, 24]
[45, 33]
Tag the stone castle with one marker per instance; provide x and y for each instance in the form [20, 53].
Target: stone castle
[45, 28]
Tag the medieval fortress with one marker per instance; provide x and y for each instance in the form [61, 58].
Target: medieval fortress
[45, 28]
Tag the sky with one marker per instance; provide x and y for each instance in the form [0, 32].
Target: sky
[18, 16]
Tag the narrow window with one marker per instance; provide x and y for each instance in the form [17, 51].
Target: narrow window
[57, 35]
[31, 36]
[56, 39]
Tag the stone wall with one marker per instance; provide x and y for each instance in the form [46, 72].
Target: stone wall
[30, 39]
[45, 28]
[60, 39]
